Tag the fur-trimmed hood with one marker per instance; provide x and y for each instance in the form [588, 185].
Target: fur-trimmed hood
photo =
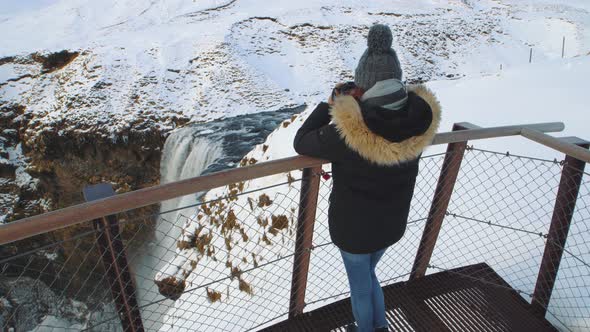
[347, 117]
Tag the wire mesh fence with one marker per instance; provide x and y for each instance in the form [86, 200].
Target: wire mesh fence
[224, 260]
[501, 212]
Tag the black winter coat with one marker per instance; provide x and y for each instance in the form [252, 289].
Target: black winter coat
[374, 154]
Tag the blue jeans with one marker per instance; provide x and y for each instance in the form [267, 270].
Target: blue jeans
[366, 295]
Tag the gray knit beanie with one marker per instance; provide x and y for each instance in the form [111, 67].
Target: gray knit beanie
[379, 62]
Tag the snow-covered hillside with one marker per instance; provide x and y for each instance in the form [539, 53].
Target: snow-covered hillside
[149, 63]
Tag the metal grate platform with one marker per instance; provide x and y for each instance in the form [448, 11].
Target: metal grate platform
[471, 298]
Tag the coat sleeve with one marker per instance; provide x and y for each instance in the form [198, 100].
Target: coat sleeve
[317, 138]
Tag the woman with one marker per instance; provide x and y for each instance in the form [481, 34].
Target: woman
[373, 134]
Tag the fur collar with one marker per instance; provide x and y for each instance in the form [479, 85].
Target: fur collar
[348, 119]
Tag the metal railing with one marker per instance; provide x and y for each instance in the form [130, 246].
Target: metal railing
[256, 249]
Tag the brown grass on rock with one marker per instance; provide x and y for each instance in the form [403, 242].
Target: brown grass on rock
[266, 239]
[171, 287]
[279, 222]
[244, 162]
[246, 287]
[235, 272]
[203, 241]
[213, 295]
[244, 235]
[290, 178]
[254, 261]
[263, 222]
[210, 251]
[264, 200]
[206, 210]
[230, 223]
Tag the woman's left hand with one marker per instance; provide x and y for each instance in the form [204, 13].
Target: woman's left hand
[334, 93]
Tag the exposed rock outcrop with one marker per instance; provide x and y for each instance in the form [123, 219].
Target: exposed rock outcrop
[26, 304]
[55, 61]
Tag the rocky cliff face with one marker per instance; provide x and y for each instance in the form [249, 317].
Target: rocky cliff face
[47, 172]
[45, 164]
[48, 155]
[25, 304]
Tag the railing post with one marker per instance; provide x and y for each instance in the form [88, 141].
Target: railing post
[310, 187]
[565, 204]
[440, 202]
[115, 263]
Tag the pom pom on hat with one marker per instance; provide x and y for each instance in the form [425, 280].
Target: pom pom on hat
[379, 39]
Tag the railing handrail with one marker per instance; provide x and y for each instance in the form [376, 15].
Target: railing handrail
[76, 214]
[568, 145]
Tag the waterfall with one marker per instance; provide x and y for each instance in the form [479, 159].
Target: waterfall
[186, 154]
